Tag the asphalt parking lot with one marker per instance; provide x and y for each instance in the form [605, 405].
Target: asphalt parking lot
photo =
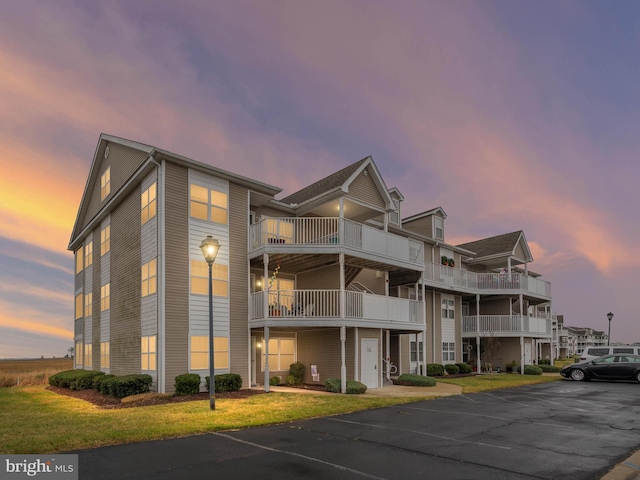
[558, 430]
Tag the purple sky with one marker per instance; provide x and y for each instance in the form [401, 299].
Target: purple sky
[509, 115]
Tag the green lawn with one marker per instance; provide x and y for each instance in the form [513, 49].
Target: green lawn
[481, 383]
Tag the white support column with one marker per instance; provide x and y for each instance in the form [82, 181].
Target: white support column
[386, 284]
[265, 348]
[265, 286]
[343, 295]
[356, 354]
[388, 352]
[479, 365]
[343, 367]
[509, 265]
[424, 331]
[521, 355]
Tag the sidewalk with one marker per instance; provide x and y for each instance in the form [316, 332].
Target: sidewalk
[440, 390]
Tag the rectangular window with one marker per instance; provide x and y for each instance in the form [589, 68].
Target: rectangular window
[200, 352]
[148, 352]
[105, 357]
[88, 304]
[439, 227]
[281, 353]
[77, 352]
[88, 254]
[149, 276]
[79, 313]
[79, 261]
[105, 240]
[209, 205]
[105, 297]
[200, 278]
[448, 352]
[415, 354]
[448, 308]
[394, 217]
[148, 204]
[105, 184]
[88, 355]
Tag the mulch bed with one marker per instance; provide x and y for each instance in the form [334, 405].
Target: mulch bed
[109, 401]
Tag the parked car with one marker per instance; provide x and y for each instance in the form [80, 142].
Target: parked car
[607, 367]
[590, 353]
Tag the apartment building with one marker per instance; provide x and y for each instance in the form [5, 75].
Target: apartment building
[331, 276]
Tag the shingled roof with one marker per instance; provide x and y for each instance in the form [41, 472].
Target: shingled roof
[334, 180]
[497, 245]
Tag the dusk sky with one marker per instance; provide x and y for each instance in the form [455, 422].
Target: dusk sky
[508, 114]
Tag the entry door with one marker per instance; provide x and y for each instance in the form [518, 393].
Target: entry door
[369, 365]
[527, 354]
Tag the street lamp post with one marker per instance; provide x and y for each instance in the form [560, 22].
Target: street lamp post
[609, 316]
[210, 247]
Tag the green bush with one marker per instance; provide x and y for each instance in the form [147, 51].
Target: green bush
[274, 381]
[296, 370]
[187, 384]
[548, 368]
[334, 385]
[97, 381]
[126, 385]
[292, 380]
[74, 379]
[104, 384]
[452, 369]
[544, 361]
[226, 382]
[415, 380]
[464, 367]
[532, 370]
[435, 370]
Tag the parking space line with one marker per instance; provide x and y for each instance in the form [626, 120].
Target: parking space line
[505, 400]
[442, 437]
[293, 454]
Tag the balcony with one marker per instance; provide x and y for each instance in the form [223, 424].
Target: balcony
[304, 308]
[506, 326]
[472, 282]
[328, 234]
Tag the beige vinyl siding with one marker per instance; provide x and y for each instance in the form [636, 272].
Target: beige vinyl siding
[322, 278]
[363, 188]
[125, 286]
[97, 326]
[238, 282]
[369, 279]
[124, 161]
[88, 287]
[322, 348]
[102, 277]
[458, 328]
[421, 226]
[266, 211]
[148, 252]
[177, 274]
[519, 251]
[404, 355]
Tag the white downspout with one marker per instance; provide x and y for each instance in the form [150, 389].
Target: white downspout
[265, 306]
[161, 291]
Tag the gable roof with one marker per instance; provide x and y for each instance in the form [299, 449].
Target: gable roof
[433, 211]
[500, 245]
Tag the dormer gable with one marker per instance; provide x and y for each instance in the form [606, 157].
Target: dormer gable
[429, 223]
[395, 215]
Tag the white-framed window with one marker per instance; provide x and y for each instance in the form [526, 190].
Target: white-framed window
[79, 260]
[209, 205]
[78, 353]
[88, 304]
[438, 227]
[282, 353]
[148, 204]
[448, 351]
[200, 352]
[200, 278]
[88, 355]
[78, 309]
[105, 297]
[416, 354]
[149, 278]
[394, 217]
[105, 240]
[105, 355]
[148, 353]
[448, 308]
[88, 254]
[105, 184]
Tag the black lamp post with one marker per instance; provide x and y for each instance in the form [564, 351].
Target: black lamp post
[210, 247]
[609, 316]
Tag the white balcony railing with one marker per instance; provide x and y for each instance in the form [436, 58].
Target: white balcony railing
[510, 324]
[303, 304]
[485, 281]
[310, 231]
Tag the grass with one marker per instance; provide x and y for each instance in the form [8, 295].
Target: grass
[481, 383]
[31, 372]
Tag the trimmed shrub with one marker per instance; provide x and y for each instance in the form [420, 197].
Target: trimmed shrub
[334, 385]
[126, 385]
[415, 380]
[292, 380]
[464, 367]
[274, 381]
[549, 368]
[97, 381]
[187, 384]
[74, 379]
[435, 370]
[451, 369]
[228, 382]
[105, 384]
[532, 370]
[544, 361]
[296, 370]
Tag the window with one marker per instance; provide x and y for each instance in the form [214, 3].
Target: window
[149, 277]
[148, 352]
[415, 354]
[209, 205]
[88, 254]
[105, 184]
[79, 259]
[281, 353]
[200, 278]
[448, 352]
[78, 355]
[105, 356]
[88, 355]
[78, 306]
[148, 203]
[105, 297]
[394, 217]
[439, 227]
[88, 304]
[105, 240]
[200, 352]
[448, 308]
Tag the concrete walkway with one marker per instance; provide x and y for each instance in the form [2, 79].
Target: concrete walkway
[440, 390]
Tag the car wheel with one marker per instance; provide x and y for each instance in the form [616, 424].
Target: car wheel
[638, 376]
[577, 375]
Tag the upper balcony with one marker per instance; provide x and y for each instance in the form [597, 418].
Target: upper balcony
[318, 235]
[506, 326]
[485, 283]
